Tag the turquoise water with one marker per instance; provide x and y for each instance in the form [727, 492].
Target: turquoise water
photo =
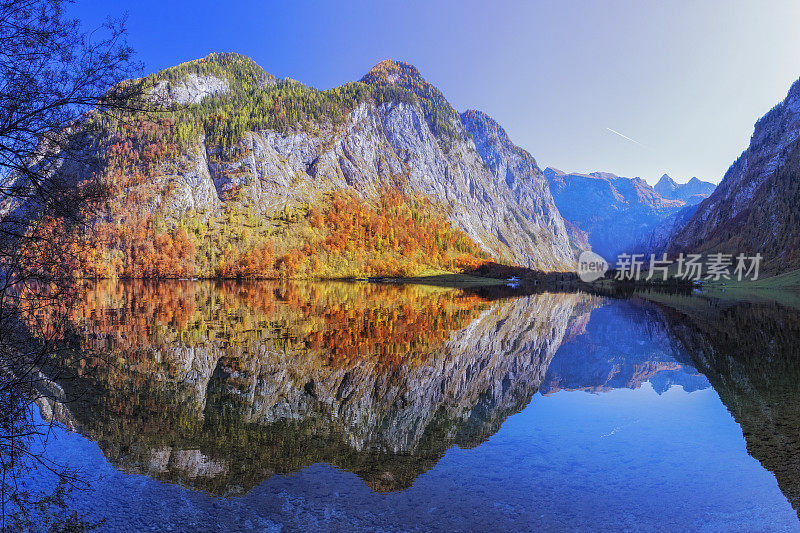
[617, 427]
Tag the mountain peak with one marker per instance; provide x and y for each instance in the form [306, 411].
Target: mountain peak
[229, 63]
[666, 186]
[691, 192]
[392, 71]
[443, 120]
[667, 180]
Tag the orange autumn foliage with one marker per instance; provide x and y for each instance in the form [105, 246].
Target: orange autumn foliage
[344, 236]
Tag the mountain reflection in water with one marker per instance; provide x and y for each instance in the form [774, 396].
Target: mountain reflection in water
[750, 353]
[220, 386]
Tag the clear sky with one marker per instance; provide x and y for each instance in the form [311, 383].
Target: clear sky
[685, 81]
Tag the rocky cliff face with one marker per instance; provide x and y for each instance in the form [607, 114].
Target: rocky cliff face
[193, 89]
[754, 208]
[659, 239]
[418, 144]
[533, 205]
[615, 213]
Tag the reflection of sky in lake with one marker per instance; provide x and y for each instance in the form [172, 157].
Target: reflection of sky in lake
[621, 459]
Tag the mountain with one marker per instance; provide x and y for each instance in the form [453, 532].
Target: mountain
[522, 176]
[658, 240]
[755, 207]
[245, 175]
[692, 192]
[666, 186]
[615, 213]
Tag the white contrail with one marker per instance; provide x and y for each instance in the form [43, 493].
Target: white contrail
[626, 137]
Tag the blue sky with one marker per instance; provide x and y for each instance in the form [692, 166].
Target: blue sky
[685, 80]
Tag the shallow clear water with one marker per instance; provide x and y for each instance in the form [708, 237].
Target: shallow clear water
[342, 407]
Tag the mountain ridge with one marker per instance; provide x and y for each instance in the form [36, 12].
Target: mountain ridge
[692, 192]
[254, 176]
[615, 213]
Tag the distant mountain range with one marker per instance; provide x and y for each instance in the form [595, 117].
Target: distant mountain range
[614, 214]
[692, 192]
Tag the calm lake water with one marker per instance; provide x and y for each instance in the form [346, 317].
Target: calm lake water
[331, 406]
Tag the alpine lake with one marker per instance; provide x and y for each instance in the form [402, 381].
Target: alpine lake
[346, 406]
